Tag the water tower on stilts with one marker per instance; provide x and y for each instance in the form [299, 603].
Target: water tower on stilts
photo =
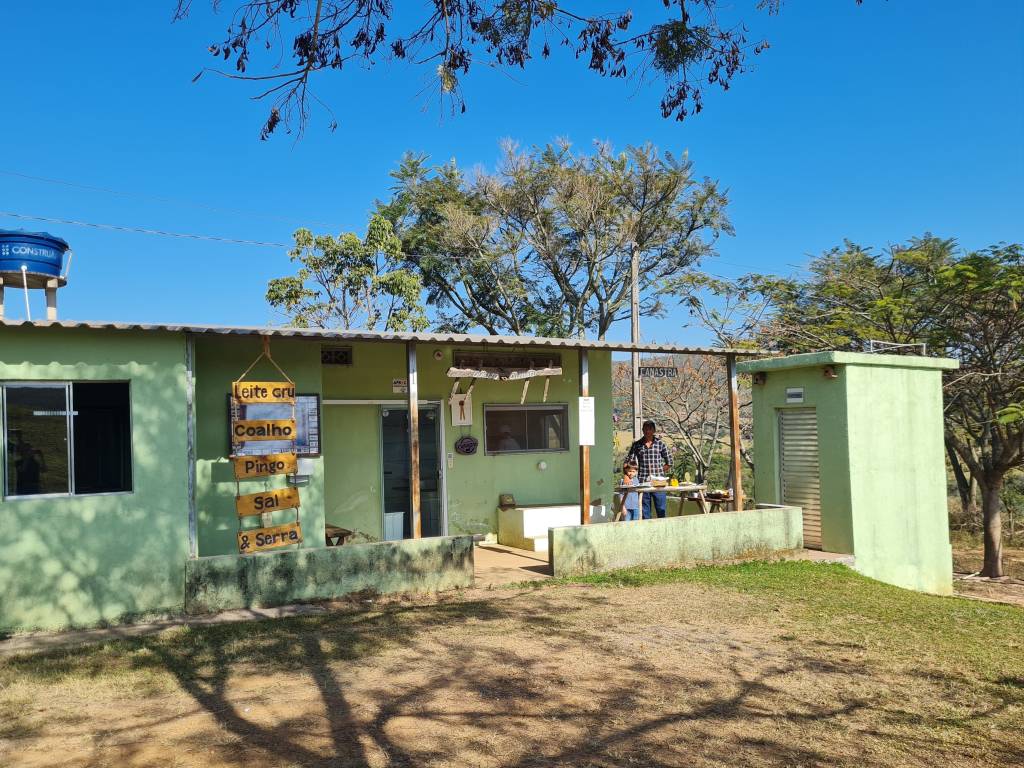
[33, 260]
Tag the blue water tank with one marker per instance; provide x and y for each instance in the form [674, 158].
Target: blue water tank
[40, 253]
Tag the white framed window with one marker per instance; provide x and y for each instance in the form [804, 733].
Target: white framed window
[66, 438]
[526, 428]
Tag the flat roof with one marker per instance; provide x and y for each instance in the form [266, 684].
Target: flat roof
[811, 359]
[324, 334]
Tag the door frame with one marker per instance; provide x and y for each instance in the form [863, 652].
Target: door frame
[442, 456]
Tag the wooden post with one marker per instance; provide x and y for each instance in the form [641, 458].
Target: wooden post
[584, 449]
[414, 441]
[734, 432]
[190, 450]
[635, 338]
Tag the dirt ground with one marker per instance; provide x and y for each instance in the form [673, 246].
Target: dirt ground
[968, 558]
[564, 675]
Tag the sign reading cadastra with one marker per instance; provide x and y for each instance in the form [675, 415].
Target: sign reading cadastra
[259, 539]
[262, 466]
[251, 392]
[263, 429]
[266, 501]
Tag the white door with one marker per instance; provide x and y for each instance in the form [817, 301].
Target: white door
[799, 469]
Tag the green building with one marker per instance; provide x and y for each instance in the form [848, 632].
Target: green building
[855, 440]
[119, 496]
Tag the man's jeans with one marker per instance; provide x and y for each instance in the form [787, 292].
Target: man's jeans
[659, 504]
[631, 514]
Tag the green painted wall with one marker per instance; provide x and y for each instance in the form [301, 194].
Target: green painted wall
[674, 540]
[883, 481]
[220, 360]
[829, 398]
[84, 560]
[266, 579]
[474, 482]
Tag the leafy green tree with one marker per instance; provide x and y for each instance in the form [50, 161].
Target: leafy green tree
[345, 282]
[544, 244]
[968, 306]
[687, 44]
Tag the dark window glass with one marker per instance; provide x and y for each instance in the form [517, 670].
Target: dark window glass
[510, 429]
[36, 440]
[103, 437]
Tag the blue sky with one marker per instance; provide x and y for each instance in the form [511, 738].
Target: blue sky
[873, 123]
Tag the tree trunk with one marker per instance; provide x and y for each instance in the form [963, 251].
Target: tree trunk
[991, 507]
[964, 486]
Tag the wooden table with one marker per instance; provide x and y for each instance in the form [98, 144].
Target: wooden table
[697, 489]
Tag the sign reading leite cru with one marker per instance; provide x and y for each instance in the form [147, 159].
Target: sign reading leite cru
[266, 501]
[260, 539]
[265, 465]
[253, 392]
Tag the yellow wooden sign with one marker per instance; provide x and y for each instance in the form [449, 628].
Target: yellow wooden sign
[266, 501]
[267, 464]
[250, 392]
[244, 430]
[260, 539]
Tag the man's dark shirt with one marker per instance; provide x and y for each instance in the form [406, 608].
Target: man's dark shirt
[650, 459]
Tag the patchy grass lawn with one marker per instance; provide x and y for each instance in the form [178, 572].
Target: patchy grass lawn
[756, 664]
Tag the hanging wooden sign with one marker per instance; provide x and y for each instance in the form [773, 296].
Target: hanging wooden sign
[265, 465]
[245, 430]
[260, 539]
[253, 392]
[266, 501]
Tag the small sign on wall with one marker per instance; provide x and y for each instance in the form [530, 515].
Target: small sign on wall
[462, 410]
[586, 421]
[266, 501]
[260, 539]
[400, 386]
[794, 395]
[264, 466]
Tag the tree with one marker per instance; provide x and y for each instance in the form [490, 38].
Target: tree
[345, 282]
[685, 43]
[543, 245]
[691, 410]
[968, 306]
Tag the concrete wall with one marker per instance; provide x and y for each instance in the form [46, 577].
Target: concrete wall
[883, 476]
[76, 561]
[277, 578]
[673, 540]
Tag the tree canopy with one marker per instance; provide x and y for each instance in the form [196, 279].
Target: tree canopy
[348, 282]
[543, 245]
[686, 44]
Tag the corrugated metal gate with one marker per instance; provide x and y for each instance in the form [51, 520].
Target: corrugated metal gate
[800, 478]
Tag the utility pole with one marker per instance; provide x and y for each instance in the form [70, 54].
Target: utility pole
[635, 336]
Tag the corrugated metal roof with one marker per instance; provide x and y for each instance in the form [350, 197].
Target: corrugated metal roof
[323, 334]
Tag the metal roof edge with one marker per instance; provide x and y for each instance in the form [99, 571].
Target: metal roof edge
[324, 334]
[837, 357]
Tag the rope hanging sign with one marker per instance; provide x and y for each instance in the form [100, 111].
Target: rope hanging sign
[247, 466]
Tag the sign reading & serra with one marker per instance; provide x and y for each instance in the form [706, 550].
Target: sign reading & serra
[259, 539]
[252, 392]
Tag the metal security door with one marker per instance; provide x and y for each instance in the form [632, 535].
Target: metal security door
[799, 471]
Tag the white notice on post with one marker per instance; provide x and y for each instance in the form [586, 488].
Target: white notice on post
[586, 421]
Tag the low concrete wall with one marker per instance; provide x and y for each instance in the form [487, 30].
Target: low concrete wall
[582, 549]
[276, 578]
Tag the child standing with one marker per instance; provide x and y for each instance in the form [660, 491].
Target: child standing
[631, 504]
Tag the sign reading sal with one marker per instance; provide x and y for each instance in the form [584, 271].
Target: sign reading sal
[266, 501]
[254, 392]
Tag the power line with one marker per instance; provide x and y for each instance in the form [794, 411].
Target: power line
[161, 199]
[142, 231]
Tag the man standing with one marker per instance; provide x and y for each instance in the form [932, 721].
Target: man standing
[651, 456]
